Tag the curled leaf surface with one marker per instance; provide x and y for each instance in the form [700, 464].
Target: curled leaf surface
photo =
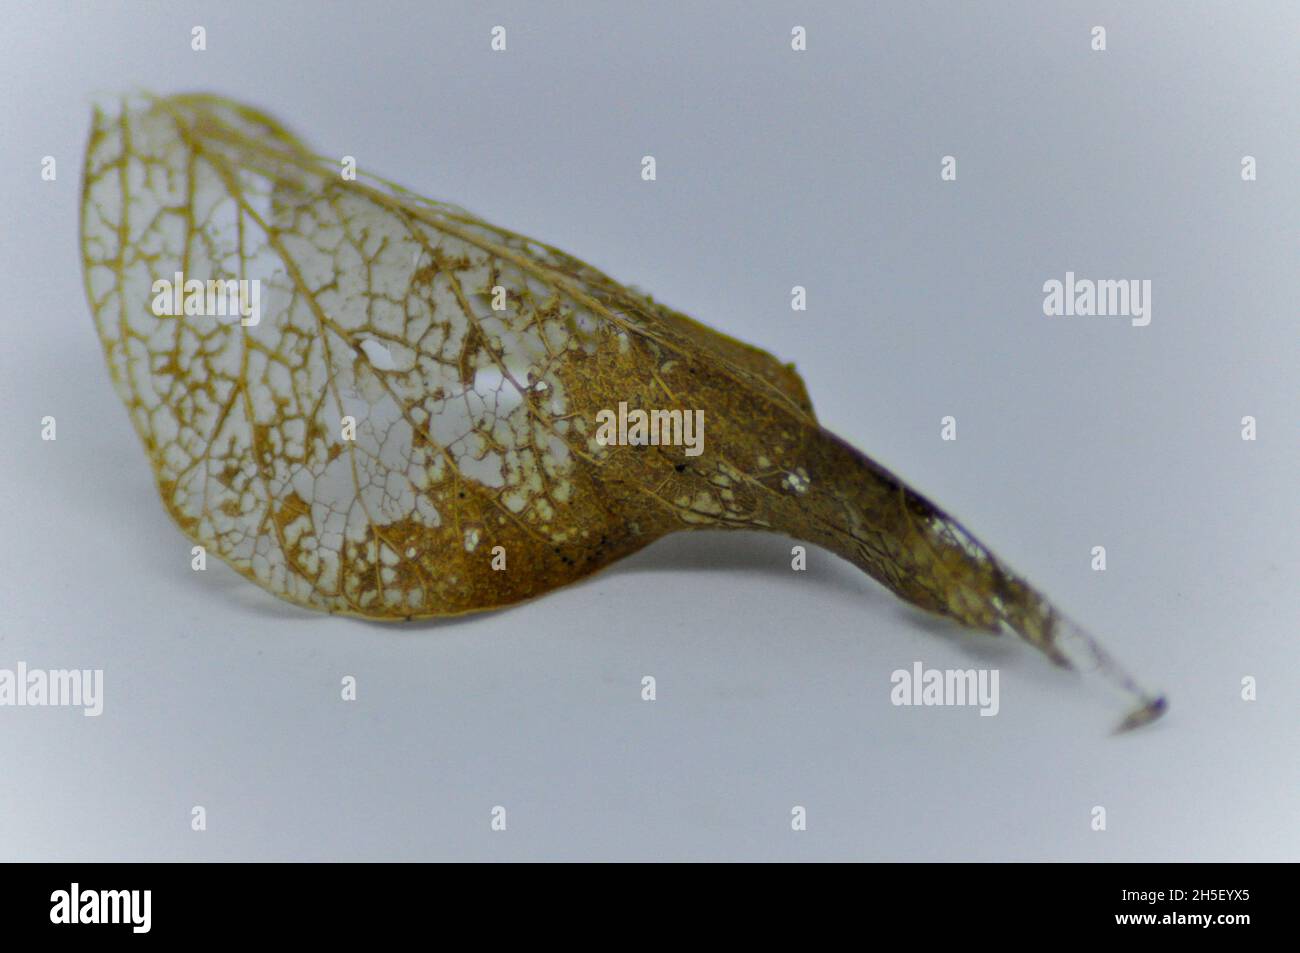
[416, 404]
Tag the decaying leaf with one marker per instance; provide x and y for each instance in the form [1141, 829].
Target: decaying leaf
[407, 423]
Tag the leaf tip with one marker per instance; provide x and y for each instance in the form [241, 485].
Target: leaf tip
[1148, 712]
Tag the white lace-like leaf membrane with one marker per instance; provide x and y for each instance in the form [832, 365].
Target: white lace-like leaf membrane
[473, 427]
